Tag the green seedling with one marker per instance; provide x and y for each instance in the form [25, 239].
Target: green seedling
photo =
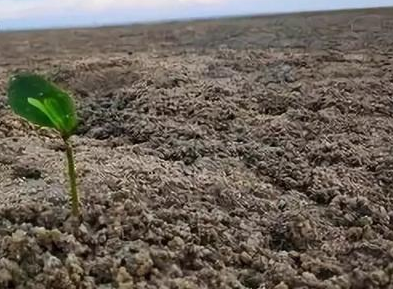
[43, 103]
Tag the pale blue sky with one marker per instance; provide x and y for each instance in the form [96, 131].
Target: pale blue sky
[25, 14]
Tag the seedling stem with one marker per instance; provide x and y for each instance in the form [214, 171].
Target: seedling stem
[72, 176]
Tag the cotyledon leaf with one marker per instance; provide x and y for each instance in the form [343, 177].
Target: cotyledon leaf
[47, 110]
[41, 102]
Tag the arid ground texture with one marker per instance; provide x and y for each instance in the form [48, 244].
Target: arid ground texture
[233, 153]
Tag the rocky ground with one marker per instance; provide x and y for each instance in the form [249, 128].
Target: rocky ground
[239, 153]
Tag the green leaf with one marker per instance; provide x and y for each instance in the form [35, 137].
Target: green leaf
[41, 102]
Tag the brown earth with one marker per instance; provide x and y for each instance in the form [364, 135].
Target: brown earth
[236, 153]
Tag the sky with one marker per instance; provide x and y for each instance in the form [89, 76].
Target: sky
[31, 14]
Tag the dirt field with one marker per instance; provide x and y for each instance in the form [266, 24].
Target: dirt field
[239, 153]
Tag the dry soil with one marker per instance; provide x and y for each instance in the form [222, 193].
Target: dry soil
[234, 153]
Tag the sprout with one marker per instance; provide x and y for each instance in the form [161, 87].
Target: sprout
[45, 104]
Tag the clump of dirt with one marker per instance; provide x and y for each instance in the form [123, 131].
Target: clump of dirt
[218, 154]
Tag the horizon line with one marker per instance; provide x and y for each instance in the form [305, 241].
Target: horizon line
[191, 19]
